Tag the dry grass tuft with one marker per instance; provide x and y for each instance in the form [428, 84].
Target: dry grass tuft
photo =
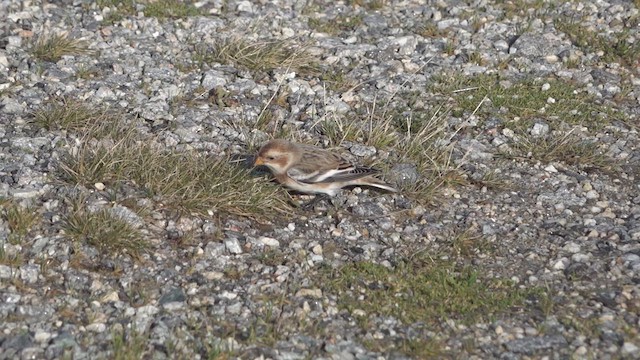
[52, 47]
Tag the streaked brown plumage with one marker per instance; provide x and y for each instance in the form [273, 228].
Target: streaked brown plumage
[313, 170]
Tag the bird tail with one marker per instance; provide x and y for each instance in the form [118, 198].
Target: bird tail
[375, 182]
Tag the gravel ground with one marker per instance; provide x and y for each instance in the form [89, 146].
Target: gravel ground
[517, 202]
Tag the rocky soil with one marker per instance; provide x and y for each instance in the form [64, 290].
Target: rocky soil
[531, 217]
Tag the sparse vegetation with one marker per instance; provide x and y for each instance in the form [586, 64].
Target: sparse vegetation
[258, 56]
[520, 103]
[113, 152]
[128, 346]
[12, 260]
[336, 80]
[170, 9]
[19, 220]
[368, 4]
[187, 182]
[52, 47]
[67, 114]
[468, 242]
[86, 72]
[424, 143]
[419, 290]
[162, 9]
[617, 47]
[337, 25]
[119, 9]
[431, 30]
[563, 147]
[103, 229]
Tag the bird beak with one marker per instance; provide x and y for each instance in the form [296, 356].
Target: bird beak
[258, 161]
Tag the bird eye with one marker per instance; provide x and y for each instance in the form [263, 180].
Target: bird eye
[270, 158]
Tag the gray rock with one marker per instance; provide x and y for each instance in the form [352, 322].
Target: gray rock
[11, 106]
[368, 209]
[531, 345]
[233, 245]
[5, 272]
[362, 150]
[173, 295]
[213, 79]
[29, 273]
[539, 129]
[18, 341]
[475, 150]
[404, 174]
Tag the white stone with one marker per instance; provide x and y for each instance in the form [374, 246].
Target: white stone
[5, 272]
[111, 297]
[42, 336]
[630, 349]
[580, 257]
[572, 247]
[314, 293]
[592, 194]
[97, 327]
[245, 6]
[269, 241]
[233, 245]
[561, 264]
[228, 295]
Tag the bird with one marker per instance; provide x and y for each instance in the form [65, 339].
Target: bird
[312, 170]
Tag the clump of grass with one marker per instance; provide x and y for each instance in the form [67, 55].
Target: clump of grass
[562, 147]
[170, 9]
[372, 133]
[259, 56]
[422, 140]
[104, 230]
[12, 260]
[86, 72]
[523, 101]
[129, 346]
[337, 130]
[416, 136]
[20, 220]
[187, 182]
[66, 114]
[52, 47]
[374, 128]
[468, 242]
[338, 81]
[431, 30]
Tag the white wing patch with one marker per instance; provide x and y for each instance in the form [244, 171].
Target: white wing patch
[300, 175]
[317, 176]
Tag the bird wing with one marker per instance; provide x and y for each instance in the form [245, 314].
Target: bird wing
[346, 173]
[349, 175]
[316, 165]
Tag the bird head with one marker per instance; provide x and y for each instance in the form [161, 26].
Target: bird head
[277, 155]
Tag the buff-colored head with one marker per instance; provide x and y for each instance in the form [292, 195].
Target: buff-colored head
[277, 155]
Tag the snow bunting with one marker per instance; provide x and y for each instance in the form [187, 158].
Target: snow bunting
[312, 170]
